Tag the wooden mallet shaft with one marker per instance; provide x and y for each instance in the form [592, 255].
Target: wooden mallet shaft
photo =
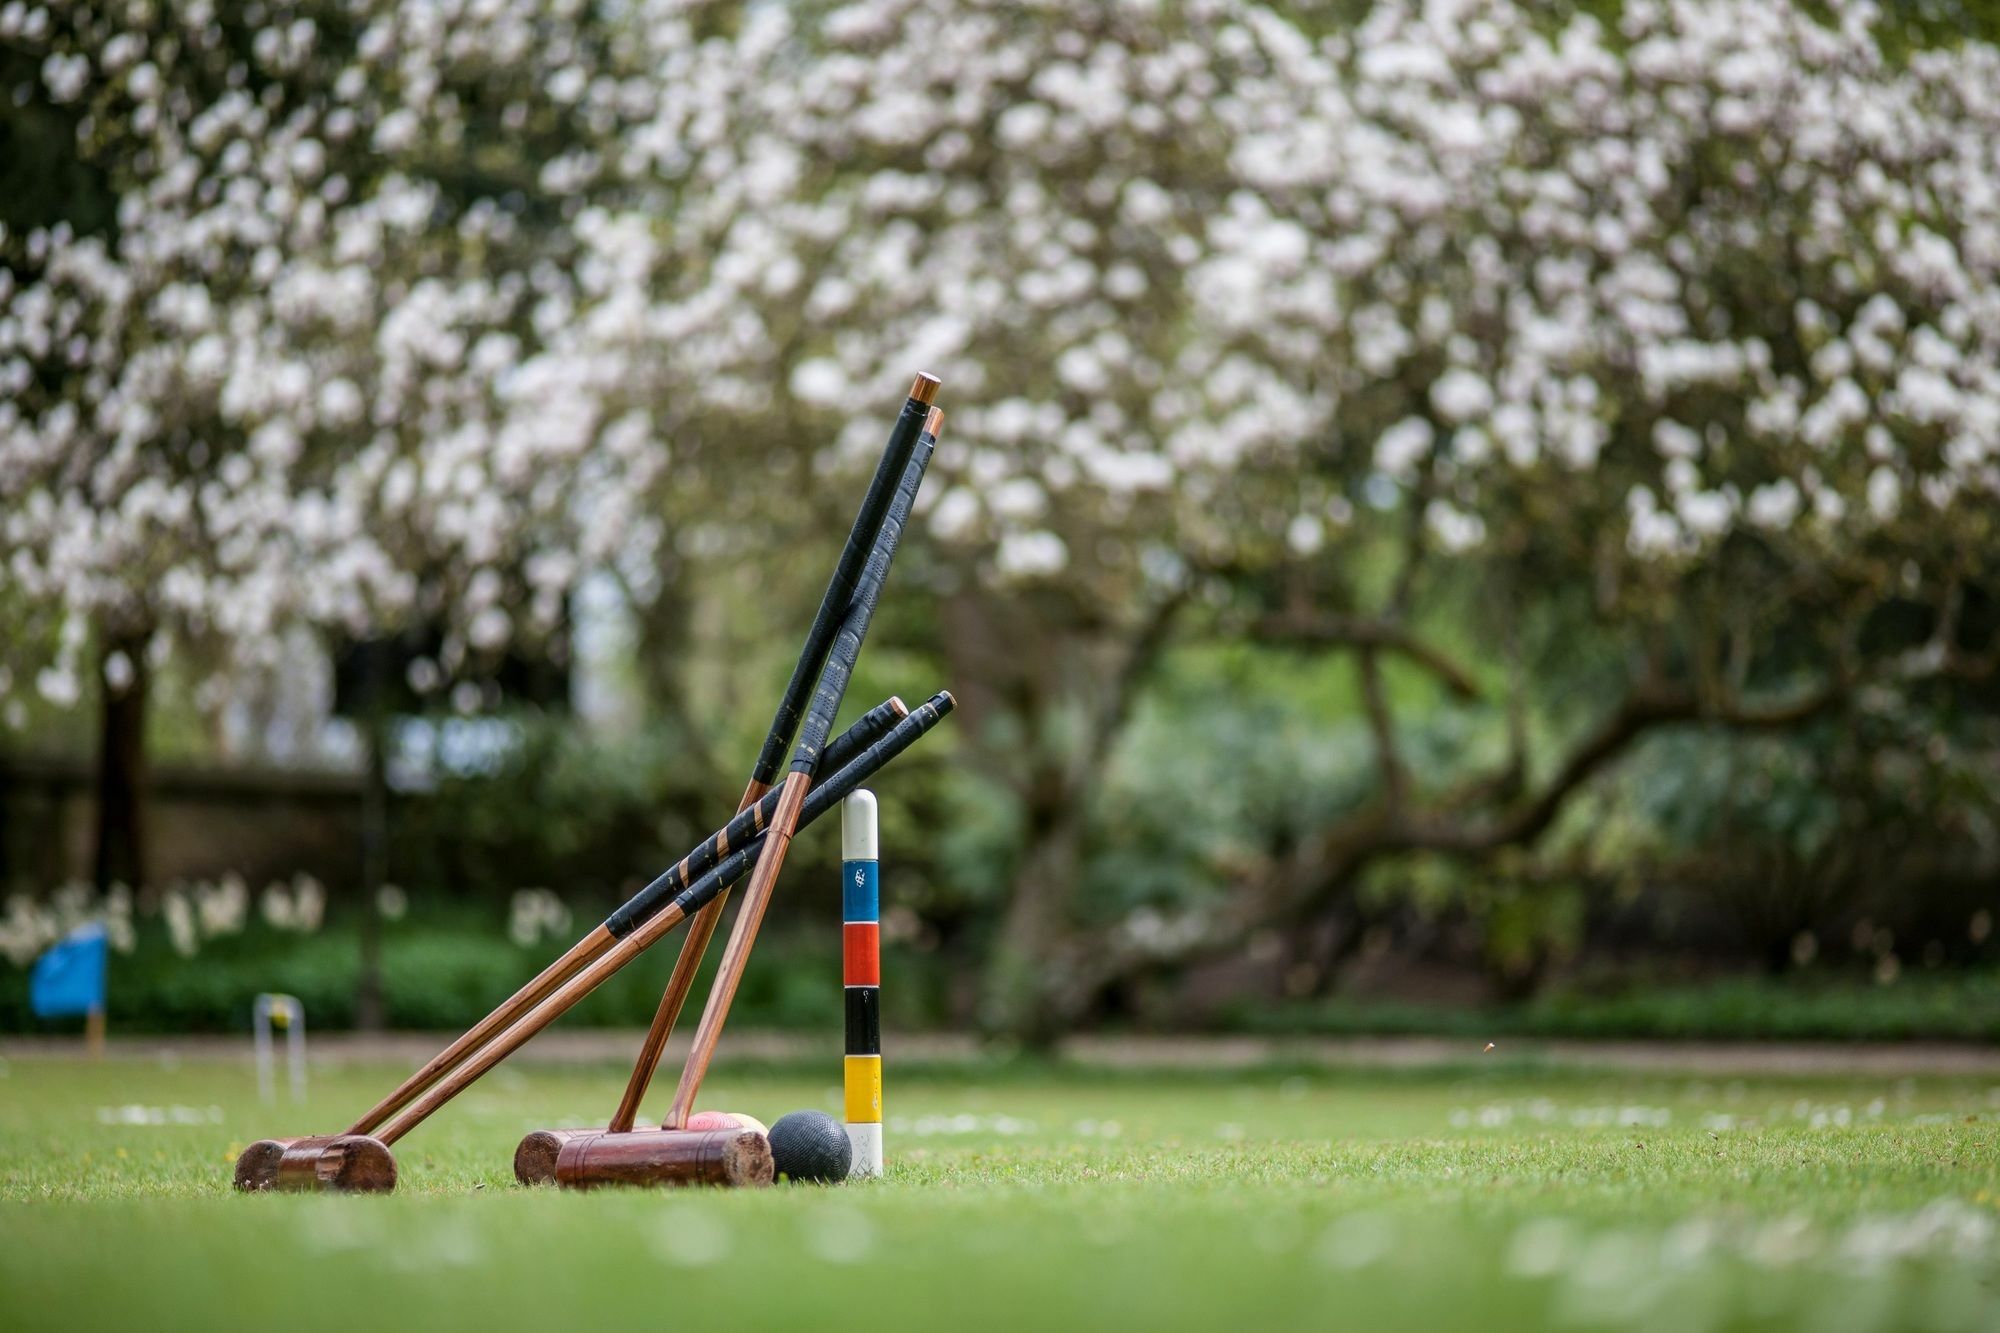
[840, 591]
[869, 728]
[690, 900]
[792, 794]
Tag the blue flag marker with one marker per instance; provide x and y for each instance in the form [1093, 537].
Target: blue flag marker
[69, 978]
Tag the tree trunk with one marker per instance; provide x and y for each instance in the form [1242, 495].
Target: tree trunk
[1022, 996]
[666, 632]
[121, 764]
[1017, 657]
[368, 1006]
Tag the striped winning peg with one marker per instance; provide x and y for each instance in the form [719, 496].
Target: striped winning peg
[861, 972]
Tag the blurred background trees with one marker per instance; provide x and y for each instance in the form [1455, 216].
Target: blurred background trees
[1443, 495]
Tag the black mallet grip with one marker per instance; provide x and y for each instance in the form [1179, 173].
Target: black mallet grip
[553, 1005]
[823, 797]
[840, 589]
[833, 680]
[747, 824]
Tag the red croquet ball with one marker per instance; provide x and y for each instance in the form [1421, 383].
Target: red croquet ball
[726, 1120]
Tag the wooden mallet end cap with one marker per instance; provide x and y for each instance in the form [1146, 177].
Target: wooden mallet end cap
[257, 1165]
[535, 1158]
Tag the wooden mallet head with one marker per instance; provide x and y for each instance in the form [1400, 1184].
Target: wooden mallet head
[345, 1163]
[585, 1158]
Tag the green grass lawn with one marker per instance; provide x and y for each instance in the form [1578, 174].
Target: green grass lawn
[1493, 1196]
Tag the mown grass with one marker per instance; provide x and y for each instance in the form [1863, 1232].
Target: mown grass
[1496, 1196]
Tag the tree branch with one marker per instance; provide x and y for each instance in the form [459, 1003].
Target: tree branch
[1382, 724]
[1516, 771]
[1321, 864]
[1413, 548]
[1942, 655]
[1505, 782]
[1115, 706]
[1330, 631]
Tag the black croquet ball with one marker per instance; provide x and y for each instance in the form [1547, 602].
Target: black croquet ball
[811, 1146]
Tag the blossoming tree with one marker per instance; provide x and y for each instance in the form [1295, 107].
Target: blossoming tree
[1662, 360]
[1677, 343]
[1610, 379]
[307, 378]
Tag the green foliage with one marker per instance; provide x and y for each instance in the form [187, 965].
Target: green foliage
[589, 817]
[1235, 751]
[1947, 1007]
[43, 181]
[1200, 791]
[1696, 789]
[445, 971]
[1881, 819]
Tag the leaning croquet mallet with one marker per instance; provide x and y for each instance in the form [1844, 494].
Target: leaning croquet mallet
[904, 438]
[748, 822]
[568, 1156]
[294, 1163]
[860, 544]
[848, 570]
[861, 979]
[564, 1155]
[364, 1163]
[826, 702]
[833, 679]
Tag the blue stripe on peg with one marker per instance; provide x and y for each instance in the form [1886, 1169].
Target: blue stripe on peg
[860, 891]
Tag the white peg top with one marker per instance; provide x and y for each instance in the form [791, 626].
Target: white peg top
[858, 838]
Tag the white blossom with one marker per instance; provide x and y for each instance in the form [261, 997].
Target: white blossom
[1193, 276]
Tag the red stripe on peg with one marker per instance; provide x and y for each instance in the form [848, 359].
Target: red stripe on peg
[861, 953]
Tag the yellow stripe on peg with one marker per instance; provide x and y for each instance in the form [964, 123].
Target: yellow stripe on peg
[864, 1089]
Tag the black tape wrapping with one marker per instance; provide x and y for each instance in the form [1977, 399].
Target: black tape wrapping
[862, 539]
[870, 727]
[821, 798]
[832, 687]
